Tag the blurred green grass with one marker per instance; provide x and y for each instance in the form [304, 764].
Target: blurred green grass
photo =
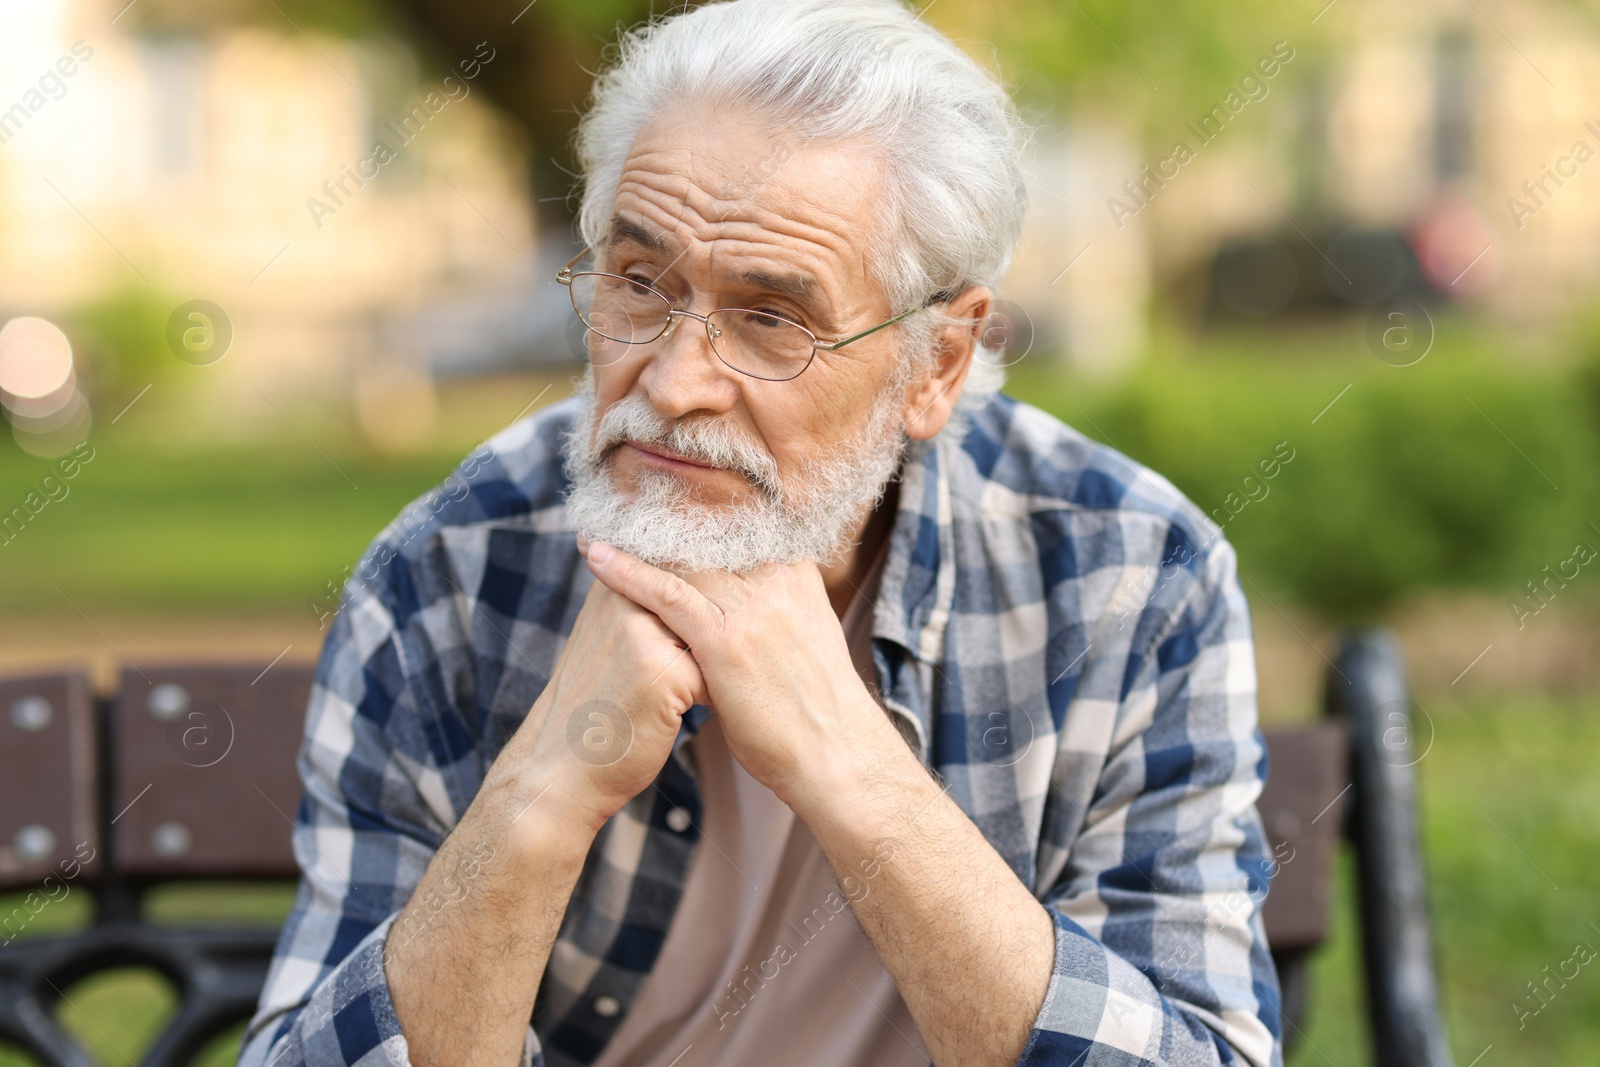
[150, 530]
[1522, 770]
[174, 515]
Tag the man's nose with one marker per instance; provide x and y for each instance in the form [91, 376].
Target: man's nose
[683, 375]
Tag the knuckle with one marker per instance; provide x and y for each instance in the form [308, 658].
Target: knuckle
[675, 592]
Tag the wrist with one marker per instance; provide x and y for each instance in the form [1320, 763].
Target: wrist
[851, 780]
[543, 783]
[534, 806]
[556, 814]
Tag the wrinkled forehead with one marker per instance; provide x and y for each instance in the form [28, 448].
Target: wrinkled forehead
[703, 174]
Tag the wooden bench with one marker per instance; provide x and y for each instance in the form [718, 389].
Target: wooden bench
[184, 773]
[188, 773]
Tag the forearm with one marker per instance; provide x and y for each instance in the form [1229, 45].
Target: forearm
[466, 955]
[968, 946]
[464, 986]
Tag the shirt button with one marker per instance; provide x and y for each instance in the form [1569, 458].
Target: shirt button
[606, 1006]
[678, 819]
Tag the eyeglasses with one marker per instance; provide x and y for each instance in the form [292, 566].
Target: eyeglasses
[760, 344]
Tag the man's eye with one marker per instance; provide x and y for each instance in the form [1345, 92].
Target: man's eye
[640, 279]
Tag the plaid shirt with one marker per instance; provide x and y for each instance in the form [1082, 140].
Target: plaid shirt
[1059, 630]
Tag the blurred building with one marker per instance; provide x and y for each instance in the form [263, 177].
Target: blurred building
[1464, 136]
[1469, 127]
[242, 167]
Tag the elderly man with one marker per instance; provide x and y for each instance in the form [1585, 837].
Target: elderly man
[788, 696]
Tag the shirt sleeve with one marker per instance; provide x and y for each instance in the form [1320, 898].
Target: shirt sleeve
[373, 814]
[1160, 953]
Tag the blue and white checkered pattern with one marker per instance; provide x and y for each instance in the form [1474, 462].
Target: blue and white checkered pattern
[1058, 629]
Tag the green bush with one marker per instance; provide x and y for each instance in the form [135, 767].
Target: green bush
[121, 342]
[1450, 473]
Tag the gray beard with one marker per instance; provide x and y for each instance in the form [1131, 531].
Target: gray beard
[778, 521]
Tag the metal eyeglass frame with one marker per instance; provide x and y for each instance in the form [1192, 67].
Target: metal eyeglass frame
[565, 277]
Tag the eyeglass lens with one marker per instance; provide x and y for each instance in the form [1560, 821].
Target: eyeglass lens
[755, 343]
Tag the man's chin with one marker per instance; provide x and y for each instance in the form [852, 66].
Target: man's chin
[695, 555]
[682, 534]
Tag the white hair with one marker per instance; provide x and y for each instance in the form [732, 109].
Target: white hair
[949, 138]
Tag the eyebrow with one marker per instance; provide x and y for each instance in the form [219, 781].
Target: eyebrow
[797, 285]
[800, 286]
[625, 229]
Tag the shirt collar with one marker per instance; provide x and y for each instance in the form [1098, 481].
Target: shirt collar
[918, 584]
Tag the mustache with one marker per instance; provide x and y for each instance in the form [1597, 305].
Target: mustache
[708, 441]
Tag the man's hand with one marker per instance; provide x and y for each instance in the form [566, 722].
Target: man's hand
[968, 946]
[776, 666]
[604, 726]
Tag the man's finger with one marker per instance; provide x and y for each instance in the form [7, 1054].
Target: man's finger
[729, 592]
[684, 609]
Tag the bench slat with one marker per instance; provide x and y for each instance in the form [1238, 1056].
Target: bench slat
[48, 780]
[204, 762]
[1303, 812]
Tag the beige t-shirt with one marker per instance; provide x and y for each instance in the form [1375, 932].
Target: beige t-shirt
[764, 962]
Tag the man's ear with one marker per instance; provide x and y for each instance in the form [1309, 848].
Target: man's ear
[931, 400]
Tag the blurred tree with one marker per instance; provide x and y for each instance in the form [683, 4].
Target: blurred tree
[345, 18]
[1150, 62]
[546, 51]
[541, 75]
[1146, 60]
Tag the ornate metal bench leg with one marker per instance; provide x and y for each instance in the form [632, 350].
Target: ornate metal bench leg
[26, 1022]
